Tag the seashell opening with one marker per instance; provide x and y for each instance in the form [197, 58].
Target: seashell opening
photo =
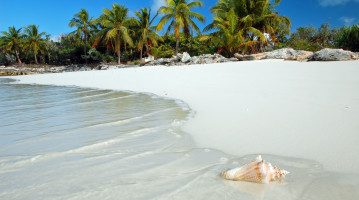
[257, 171]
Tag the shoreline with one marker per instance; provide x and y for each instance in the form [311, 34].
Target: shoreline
[247, 108]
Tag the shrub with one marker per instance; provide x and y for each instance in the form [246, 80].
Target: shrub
[348, 38]
[303, 44]
[7, 59]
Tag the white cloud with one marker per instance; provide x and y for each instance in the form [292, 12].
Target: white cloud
[334, 2]
[157, 4]
[348, 20]
[57, 38]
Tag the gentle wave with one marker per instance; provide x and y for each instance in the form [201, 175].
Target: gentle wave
[77, 143]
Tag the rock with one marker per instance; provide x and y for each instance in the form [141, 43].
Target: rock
[179, 55]
[196, 60]
[113, 67]
[245, 57]
[238, 56]
[186, 58]
[83, 69]
[304, 56]
[261, 56]
[232, 59]
[332, 55]
[177, 58]
[209, 61]
[221, 60]
[103, 67]
[149, 58]
[160, 61]
[285, 53]
[289, 54]
[355, 56]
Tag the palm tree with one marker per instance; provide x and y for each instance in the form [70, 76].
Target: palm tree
[115, 24]
[34, 41]
[11, 41]
[84, 25]
[228, 38]
[256, 18]
[148, 36]
[179, 11]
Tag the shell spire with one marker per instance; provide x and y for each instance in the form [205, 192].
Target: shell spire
[258, 171]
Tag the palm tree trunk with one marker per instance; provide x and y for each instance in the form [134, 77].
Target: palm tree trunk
[177, 45]
[147, 49]
[36, 59]
[85, 49]
[119, 52]
[17, 56]
[141, 53]
[192, 40]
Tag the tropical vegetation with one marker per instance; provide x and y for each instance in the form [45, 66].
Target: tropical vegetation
[84, 26]
[180, 14]
[11, 41]
[247, 26]
[238, 26]
[147, 36]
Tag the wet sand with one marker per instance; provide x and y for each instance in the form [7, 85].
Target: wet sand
[305, 110]
[289, 109]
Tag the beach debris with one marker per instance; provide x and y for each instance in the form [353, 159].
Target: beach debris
[258, 171]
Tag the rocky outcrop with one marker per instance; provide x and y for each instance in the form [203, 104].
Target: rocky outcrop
[258, 56]
[333, 55]
[186, 59]
[26, 70]
[149, 59]
[289, 54]
[303, 56]
[355, 56]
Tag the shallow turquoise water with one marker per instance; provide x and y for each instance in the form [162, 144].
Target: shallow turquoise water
[79, 143]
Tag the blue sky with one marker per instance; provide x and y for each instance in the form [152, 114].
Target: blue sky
[53, 16]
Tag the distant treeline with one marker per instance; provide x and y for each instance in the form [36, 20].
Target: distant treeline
[238, 26]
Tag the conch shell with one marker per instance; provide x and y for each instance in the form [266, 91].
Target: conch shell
[258, 171]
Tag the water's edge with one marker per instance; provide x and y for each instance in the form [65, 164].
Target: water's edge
[188, 171]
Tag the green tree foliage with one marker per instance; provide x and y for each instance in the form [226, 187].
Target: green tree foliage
[325, 36]
[84, 26]
[34, 41]
[311, 39]
[12, 41]
[7, 59]
[115, 25]
[229, 39]
[147, 34]
[180, 14]
[348, 38]
[246, 26]
[254, 19]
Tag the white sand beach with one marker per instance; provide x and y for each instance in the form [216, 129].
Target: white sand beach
[285, 108]
[302, 117]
